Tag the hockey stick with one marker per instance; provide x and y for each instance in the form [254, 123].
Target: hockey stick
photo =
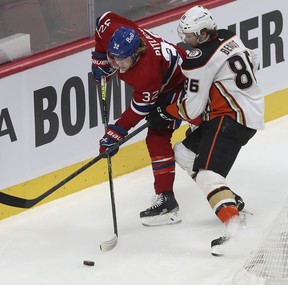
[18, 202]
[110, 244]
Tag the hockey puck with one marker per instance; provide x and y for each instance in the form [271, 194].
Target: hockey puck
[88, 262]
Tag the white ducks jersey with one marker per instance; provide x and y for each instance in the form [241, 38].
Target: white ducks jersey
[220, 80]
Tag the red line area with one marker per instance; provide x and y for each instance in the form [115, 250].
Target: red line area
[20, 65]
[10, 68]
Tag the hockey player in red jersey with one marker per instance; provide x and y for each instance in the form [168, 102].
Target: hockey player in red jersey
[221, 85]
[152, 67]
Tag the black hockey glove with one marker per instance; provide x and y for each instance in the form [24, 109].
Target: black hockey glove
[159, 119]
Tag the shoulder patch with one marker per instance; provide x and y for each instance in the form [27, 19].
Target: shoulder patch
[194, 53]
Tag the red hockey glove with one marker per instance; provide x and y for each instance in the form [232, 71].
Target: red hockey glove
[101, 66]
[113, 134]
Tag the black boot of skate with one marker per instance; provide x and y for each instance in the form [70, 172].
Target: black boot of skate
[164, 211]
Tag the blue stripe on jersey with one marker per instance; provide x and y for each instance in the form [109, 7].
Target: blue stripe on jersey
[97, 22]
[172, 67]
[140, 108]
[162, 166]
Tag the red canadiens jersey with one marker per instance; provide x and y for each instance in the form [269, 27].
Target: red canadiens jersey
[221, 81]
[154, 74]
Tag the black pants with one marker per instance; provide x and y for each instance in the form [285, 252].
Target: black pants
[217, 144]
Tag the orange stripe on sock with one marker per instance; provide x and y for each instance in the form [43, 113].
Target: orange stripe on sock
[226, 213]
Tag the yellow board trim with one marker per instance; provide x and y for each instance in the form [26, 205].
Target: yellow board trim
[128, 159]
[276, 105]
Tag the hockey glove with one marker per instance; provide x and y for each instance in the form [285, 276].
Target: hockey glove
[159, 118]
[101, 66]
[113, 134]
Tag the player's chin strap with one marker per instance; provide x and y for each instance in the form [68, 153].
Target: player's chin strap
[19, 202]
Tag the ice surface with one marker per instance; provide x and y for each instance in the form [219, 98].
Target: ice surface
[48, 244]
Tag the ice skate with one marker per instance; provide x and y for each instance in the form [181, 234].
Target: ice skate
[239, 202]
[232, 229]
[164, 211]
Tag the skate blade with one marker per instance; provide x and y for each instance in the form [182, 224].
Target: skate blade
[218, 246]
[161, 220]
[218, 250]
[247, 212]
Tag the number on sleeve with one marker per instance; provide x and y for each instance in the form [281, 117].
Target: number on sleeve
[191, 85]
[244, 75]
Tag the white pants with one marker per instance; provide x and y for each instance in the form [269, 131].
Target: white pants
[184, 157]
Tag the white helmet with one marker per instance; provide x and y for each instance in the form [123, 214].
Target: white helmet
[195, 20]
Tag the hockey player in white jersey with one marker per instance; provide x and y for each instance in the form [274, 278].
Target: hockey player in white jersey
[221, 85]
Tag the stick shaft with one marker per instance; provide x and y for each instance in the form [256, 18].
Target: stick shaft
[19, 202]
[109, 161]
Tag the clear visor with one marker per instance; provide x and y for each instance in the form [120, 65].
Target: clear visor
[120, 63]
[187, 38]
[181, 34]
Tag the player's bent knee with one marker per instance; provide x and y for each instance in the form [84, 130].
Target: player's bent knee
[184, 157]
[209, 180]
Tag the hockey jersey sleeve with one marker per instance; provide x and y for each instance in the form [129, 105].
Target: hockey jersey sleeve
[197, 87]
[141, 104]
[155, 76]
[255, 60]
[105, 27]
